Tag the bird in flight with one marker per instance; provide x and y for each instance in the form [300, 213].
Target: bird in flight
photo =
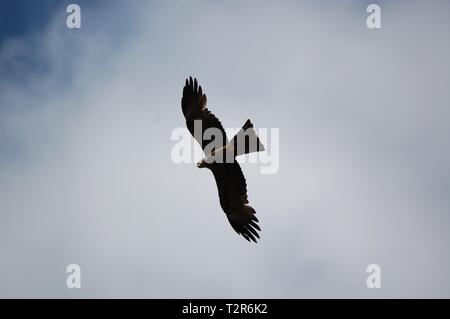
[221, 158]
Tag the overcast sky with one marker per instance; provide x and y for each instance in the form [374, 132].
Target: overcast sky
[86, 176]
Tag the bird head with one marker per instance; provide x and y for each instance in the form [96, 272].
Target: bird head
[201, 164]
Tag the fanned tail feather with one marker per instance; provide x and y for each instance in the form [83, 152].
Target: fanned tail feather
[246, 141]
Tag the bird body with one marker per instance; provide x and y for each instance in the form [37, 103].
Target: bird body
[221, 159]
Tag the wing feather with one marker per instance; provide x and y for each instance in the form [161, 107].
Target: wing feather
[193, 104]
[232, 189]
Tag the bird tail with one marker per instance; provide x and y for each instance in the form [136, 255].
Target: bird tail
[246, 141]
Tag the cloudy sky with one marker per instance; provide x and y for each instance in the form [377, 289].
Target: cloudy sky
[86, 176]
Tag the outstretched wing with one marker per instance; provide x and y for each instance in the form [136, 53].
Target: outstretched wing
[232, 189]
[194, 108]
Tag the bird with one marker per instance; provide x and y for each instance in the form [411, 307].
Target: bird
[220, 159]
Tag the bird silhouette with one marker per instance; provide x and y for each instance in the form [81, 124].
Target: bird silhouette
[221, 158]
